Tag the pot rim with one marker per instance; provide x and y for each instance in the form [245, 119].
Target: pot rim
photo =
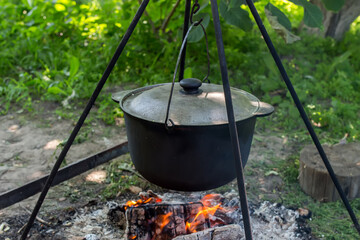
[190, 126]
[263, 109]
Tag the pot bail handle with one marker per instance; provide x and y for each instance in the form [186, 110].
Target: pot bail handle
[169, 124]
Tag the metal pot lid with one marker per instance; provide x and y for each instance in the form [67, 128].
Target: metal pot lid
[203, 106]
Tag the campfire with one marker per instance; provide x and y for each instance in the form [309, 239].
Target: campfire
[153, 218]
[150, 218]
[178, 216]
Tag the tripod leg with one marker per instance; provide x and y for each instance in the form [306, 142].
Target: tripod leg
[83, 116]
[186, 27]
[232, 123]
[303, 113]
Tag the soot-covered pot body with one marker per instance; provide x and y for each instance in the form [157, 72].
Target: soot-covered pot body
[196, 153]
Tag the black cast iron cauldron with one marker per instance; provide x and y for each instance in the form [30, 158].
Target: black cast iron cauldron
[196, 152]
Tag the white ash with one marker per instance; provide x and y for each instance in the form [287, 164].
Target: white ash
[91, 237]
[273, 221]
[268, 220]
[91, 224]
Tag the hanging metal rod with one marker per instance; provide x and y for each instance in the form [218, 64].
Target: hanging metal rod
[302, 112]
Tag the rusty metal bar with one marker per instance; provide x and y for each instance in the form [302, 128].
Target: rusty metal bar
[72, 170]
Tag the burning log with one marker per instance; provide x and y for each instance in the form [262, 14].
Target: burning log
[150, 219]
[162, 221]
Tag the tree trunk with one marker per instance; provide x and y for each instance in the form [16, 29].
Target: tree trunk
[336, 24]
[315, 180]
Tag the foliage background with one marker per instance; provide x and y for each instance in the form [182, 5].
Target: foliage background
[58, 50]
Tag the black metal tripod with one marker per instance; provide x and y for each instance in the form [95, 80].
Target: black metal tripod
[229, 107]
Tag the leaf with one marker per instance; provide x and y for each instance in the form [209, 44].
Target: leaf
[59, 7]
[74, 66]
[196, 33]
[30, 23]
[338, 60]
[31, 11]
[203, 4]
[188, 72]
[281, 17]
[313, 16]
[56, 91]
[270, 64]
[235, 3]
[235, 16]
[298, 2]
[333, 5]
[30, 2]
[283, 27]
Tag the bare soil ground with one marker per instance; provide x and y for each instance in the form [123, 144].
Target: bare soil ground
[29, 147]
[30, 144]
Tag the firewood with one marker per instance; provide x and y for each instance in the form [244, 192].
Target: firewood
[161, 221]
[228, 232]
[315, 180]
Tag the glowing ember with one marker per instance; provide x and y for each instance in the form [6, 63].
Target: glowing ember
[211, 200]
[207, 213]
[142, 201]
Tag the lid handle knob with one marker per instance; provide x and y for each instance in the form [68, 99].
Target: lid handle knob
[190, 85]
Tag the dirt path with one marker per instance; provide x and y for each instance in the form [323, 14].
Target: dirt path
[29, 145]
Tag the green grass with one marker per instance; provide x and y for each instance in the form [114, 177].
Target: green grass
[121, 176]
[329, 220]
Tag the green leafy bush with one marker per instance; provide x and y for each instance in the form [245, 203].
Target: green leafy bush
[58, 50]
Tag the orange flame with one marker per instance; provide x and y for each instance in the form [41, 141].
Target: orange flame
[162, 221]
[200, 217]
[207, 211]
[141, 202]
[206, 214]
[211, 200]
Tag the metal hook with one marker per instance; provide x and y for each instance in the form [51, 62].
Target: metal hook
[169, 125]
[195, 8]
